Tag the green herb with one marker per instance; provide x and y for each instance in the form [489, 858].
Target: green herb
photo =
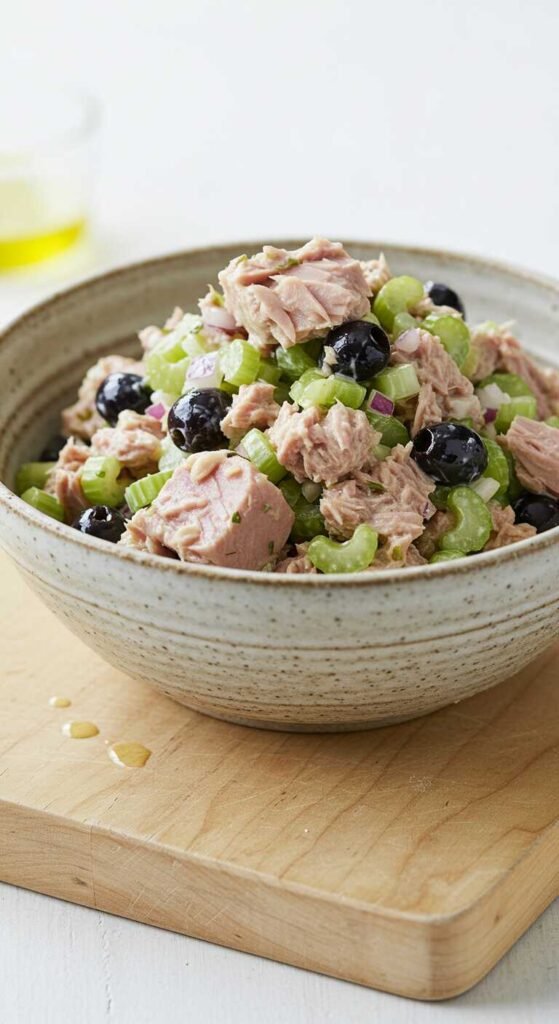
[236, 517]
[266, 508]
[271, 547]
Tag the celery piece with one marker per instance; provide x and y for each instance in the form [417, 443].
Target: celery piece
[291, 490]
[329, 390]
[392, 430]
[402, 322]
[282, 393]
[381, 452]
[398, 295]
[452, 333]
[469, 365]
[446, 556]
[354, 555]
[240, 362]
[398, 382]
[261, 453]
[269, 371]
[525, 405]
[171, 456]
[32, 474]
[473, 522]
[439, 496]
[142, 492]
[510, 383]
[370, 318]
[294, 361]
[515, 487]
[553, 421]
[99, 481]
[308, 521]
[44, 502]
[164, 371]
[497, 469]
[298, 386]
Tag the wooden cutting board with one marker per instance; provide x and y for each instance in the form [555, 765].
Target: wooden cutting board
[408, 858]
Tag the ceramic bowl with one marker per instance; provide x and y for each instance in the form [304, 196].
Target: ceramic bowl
[280, 651]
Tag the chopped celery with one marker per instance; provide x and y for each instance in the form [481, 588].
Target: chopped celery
[193, 345]
[166, 366]
[402, 322]
[510, 383]
[381, 452]
[298, 386]
[497, 469]
[32, 474]
[553, 421]
[142, 492]
[370, 318]
[294, 361]
[446, 556]
[99, 480]
[282, 393]
[354, 555]
[329, 390]
[452, 333]
[524, 405]
[308, 521]
[261, 453]
[44, 502]
[398, 295]
[269, 371]
[473, 522]
[291, 490]
[171, 456]
[469, 365]
[240, 362]
[398, 382]
[392, 430]
[515, 487]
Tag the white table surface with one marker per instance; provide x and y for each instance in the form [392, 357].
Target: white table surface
[431, 123]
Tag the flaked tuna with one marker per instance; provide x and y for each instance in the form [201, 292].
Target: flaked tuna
[135, 441]
[82, 418]
[376, 272]
[392, 497]
[253, 406]
[283, 298]
[445, 392]
[505, 530]
[64, 479]
[149, 336]
[499, 351]
[323, 447]
[535, 449]
[222, 512]
[296, 563]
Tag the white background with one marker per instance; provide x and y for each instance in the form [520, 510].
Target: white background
[433, 123]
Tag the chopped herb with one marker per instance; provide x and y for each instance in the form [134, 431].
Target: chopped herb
[236, 517]
[374, 486]
[230, 553]
[271, 547]
[292, 262]
[397, 554]
[266, 508]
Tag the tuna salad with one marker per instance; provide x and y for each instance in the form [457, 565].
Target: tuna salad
[316, 415]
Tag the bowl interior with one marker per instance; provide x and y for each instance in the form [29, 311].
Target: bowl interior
[44, 355]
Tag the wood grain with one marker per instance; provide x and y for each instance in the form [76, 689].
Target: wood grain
[408, 858]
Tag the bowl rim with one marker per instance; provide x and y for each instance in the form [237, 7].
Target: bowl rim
[453, 568]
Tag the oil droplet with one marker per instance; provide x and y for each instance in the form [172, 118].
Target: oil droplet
[80, 730]
[59, 702]
[129, 755]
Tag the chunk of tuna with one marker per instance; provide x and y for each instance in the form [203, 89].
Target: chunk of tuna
[64, 479]
[535, 449]
[384, 559]
[297, 563]
[377, 273]
[322, 447]
[445, 392]
[135, 441]
[220, 511]
[438, 525]
[82, 418]
[392, 497]
[149, 336]
[253, 406]
[498, 350]
[219, 324]
[505, 530]
[284, 297]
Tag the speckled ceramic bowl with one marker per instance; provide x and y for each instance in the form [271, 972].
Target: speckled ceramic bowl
[288, 652]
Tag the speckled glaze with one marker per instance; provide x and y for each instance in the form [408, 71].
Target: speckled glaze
[286, 652]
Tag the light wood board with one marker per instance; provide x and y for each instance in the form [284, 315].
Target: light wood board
[408, 858]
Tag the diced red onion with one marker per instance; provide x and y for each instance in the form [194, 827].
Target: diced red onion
[157, 411]
[408, 341]
[205, 371]
[380, 403]
[218, 317]
[489, 415]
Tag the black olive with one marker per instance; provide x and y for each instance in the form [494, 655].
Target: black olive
[194, 420]
[361, 349]
[101, 521]
[539, 510]
[442, 295]
[450, 453]
[120, 391]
